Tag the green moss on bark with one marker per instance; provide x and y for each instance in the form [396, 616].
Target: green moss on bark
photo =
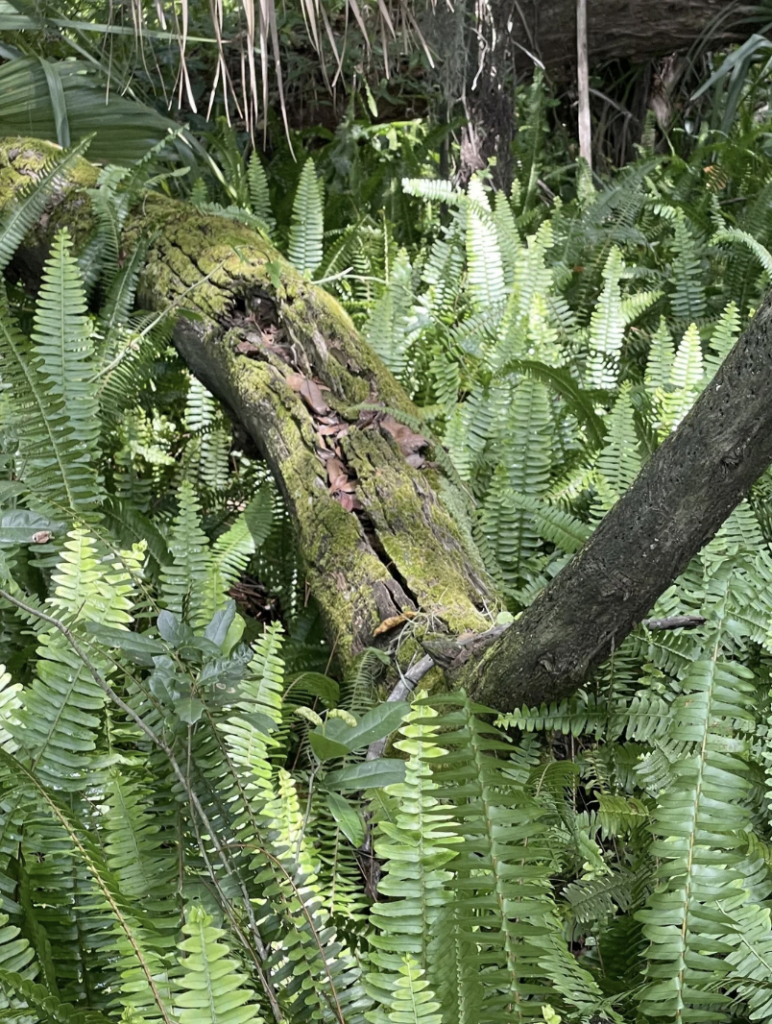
[401, 550]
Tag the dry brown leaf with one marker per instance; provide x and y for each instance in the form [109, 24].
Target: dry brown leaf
[329, 429]
[409, 442]
[296, 381]
[311, 394]
[392, 622]
[247, 348]
[337, 474]
[349, 501]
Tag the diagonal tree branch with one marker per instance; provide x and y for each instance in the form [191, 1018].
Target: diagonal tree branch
[675, 506]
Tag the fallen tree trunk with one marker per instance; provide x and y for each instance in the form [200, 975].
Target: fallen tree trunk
[376, 540]
[635, 29]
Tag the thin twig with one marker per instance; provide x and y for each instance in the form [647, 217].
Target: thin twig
[675, 622]
[407, 683]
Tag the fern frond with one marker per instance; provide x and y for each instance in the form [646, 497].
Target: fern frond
[387, 327]
[487, 288]
[189, 548]
[259, 196]
[697, 825]
[307, 231]
[214, 990]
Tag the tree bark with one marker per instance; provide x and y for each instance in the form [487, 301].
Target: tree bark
[288, 364]
[675, 506]
[378, 545]
[635, 29]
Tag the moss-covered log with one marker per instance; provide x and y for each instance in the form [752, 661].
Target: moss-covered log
[376, 541]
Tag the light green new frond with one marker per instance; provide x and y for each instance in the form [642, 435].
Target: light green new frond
[118, 305]
[263, 688]
[182, 581]
[435, 190]
[259, 196]
[445, 376]
[212, 441]
[528, 326]
[387, 327]
[214, 989]
[87, 588]
[60, 718]
[722, 340]
[659, 365]
[471, 427]
[526, 438]
[307, 231]
[685, 381]
[636, 305]
[442, 273]
[410, 1001]
[10, 702]
[525, 458]
[486, 283]
[110, 207]
[414, 849]
[258, 715]
[325, 977]
[620, 461]
[500, 881]
[55, 462]
[290, 840]
[607, 326]
[510, 243]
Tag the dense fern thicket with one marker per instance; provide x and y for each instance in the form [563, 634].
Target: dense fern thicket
[190, 827]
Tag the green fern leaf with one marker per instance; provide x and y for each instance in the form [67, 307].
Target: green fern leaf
[307, 231]
[259, 195]
[214, 990]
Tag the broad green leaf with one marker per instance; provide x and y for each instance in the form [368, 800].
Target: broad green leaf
[366, 775]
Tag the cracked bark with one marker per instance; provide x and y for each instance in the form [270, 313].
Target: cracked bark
[265, 334]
